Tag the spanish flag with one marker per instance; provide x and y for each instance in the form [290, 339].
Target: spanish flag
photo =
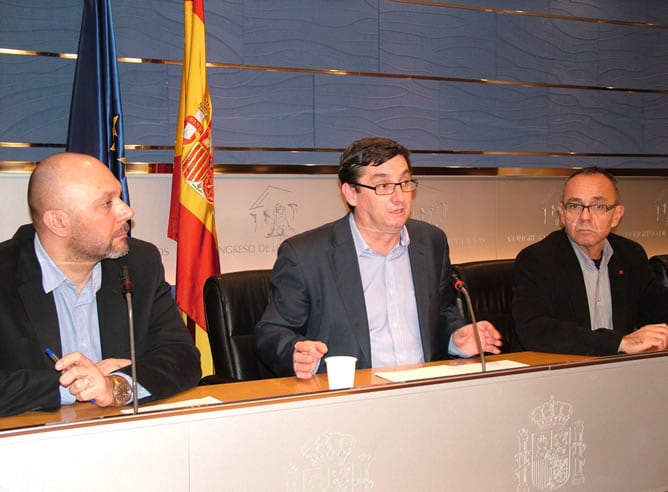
[191, 214]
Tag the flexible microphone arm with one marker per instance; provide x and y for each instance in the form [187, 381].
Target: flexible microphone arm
[460, 287]
[126, 285]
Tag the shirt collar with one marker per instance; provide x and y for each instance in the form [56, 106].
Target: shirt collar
[53, 277]
[361, 245]
[587, 262]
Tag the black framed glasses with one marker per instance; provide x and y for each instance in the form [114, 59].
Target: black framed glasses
[594, 209]
[388, 188]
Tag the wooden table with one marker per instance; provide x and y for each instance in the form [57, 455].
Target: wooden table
[563, 422]
[255, 392]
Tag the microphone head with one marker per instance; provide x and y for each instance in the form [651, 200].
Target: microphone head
[126, 283]
[457, 282]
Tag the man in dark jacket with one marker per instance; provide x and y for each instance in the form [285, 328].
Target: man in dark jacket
[61, 291]
[583, 289]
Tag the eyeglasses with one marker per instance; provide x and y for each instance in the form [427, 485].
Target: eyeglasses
[594, 208]
[388, 188]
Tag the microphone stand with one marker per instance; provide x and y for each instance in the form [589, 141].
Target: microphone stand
[459, 286]
[127, 291]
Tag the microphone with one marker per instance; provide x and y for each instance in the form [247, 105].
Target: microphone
[126, 286]
[459, 286]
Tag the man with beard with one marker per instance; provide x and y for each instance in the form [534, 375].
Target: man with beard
[62, 291]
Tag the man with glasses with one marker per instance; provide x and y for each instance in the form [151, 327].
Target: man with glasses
[373, 284]
[583, 289]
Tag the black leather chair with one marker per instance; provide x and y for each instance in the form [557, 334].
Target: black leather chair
[659, 264]
[490, 286]
[233, 303]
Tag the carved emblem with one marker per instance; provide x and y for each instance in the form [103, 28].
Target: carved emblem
[553, 453]
[331, 466]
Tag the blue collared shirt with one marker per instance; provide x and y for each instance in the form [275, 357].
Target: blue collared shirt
[389, 294]
[77, 313]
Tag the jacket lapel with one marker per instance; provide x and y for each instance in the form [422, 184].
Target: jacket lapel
[617, 271]
[346, 271]
[573, 281]
[422, 270]
[112, 312]
[44, 320]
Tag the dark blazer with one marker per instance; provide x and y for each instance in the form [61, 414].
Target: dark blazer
[316, 294]
[550, 306]
[167, 360]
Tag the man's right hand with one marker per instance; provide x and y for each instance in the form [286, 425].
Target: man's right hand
[649, 337]
[306, 356]
[84, 379]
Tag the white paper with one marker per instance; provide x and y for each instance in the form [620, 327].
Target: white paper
[198, 402]
[446, 370]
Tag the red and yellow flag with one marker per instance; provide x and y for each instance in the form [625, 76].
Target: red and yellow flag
[191, 214]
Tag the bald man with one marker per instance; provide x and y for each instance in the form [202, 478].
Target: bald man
[62, 291]
[584, 289]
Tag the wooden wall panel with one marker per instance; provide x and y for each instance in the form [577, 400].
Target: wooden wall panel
[475, 83]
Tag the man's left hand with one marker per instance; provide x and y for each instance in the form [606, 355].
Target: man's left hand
[465, 339]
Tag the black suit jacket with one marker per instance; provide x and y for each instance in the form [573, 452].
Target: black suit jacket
[550, 306]
[317, 295]
[167, 360]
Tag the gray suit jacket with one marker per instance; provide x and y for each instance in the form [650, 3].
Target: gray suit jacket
[317, 295]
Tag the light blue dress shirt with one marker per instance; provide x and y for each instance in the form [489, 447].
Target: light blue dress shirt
[389, 295]
[77, 314]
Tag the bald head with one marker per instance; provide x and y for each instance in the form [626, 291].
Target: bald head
[54, 180]
[78, 213]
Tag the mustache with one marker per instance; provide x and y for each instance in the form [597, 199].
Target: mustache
[124, 229]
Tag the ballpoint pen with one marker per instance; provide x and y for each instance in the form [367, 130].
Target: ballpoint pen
[51, 355]
[55, 359]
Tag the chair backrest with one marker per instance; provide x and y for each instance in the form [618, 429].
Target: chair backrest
[659, 264]
[233, 304]
[490, 286]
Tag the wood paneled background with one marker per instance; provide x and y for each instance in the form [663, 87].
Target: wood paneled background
[507, 92]
[477, 83]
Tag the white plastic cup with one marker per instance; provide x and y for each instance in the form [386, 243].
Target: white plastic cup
[341, 371]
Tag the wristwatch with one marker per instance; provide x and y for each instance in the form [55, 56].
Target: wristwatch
[121, 390]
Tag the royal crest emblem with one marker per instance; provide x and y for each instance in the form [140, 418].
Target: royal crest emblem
[330, 466]
[197, 164]
[554, 453]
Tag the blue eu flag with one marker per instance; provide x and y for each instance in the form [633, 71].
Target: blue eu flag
[96, 118]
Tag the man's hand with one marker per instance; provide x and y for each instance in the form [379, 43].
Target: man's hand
[306, 356]
[649, 337]
[465, 340]
[84, 379]
[107, 366]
